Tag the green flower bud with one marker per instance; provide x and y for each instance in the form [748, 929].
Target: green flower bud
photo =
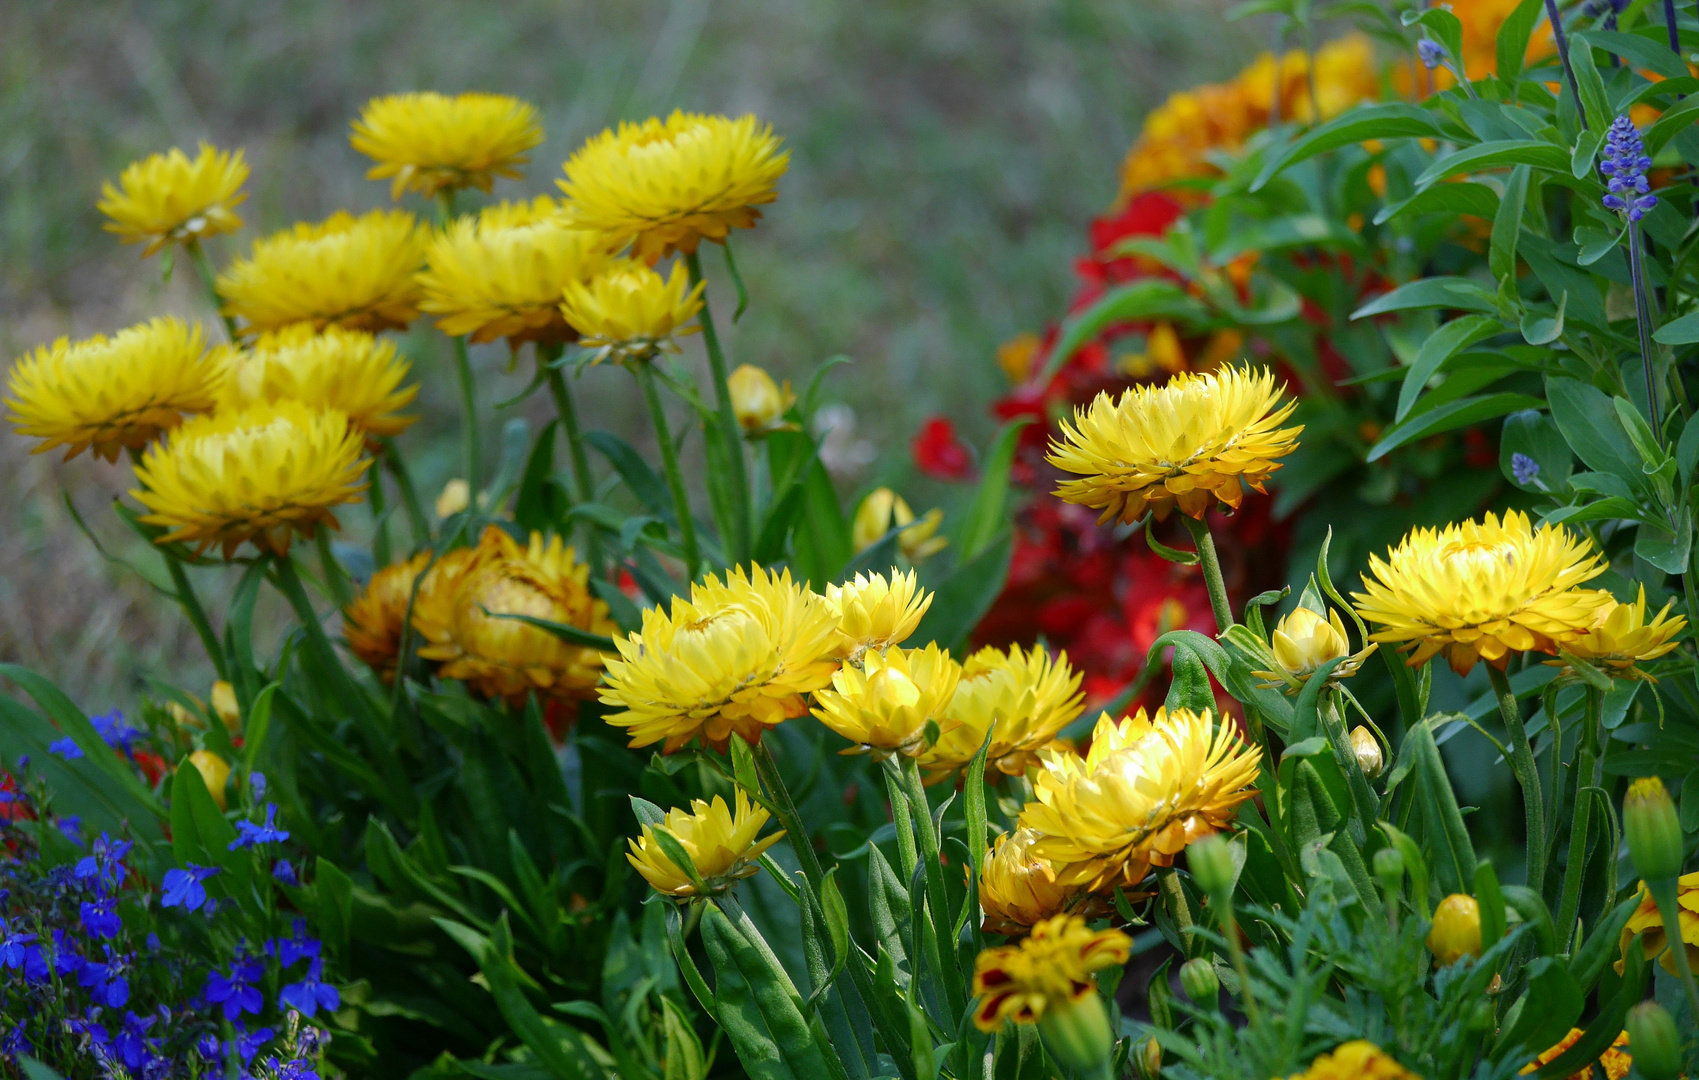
[1389, 868]
[1199, 981]
[1211, 865]
[1653, 827]
[1653, 1041]
[1077, 1033]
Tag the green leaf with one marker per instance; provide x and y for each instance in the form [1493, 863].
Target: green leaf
[1599, 950]
[1432, 292]
[1390, 121]
[1189, 688]
[1552, 1002]
[987, 514]
[1592, 86]
[1605, 1028]
[541, 501]
[1675, 119]
[1442, 345]
[1682, 331]
[758, 1007]
[636, 473]
[33, 1069]
[1513, 36]
[1452, 852]
[1534, 435]
[1454, 414]
[1491, 901]
[258, 727]
[1173, 555]
[1476, 200]
[1595, 244]
[1415, 864]
[963, 598]
[1147, 298]
[1498, 154]
[1540, 329]
[1585, 153]
[1589, 422]
[572, 635]
[73, 723]
[1507, 224]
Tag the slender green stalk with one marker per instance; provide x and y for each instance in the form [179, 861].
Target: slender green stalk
[381, 553]
[203, 269]
[473, 454]
[907, 857]
[397, 465]
[1527, 776]
[937, 894]
[1212, 579]
[191, 605]
[1570, 902]
[1643, 319]
[737, 532]
[289, 582]
[1230, 930]
[567, 410]
[1178, 906]
[1562, 39]
[645, 372]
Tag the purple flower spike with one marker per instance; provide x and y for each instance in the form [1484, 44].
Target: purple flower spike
[1624, 166]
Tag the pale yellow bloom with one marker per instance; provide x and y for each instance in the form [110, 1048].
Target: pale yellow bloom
[1021, 697]
[1366, 749]
[1303, 641]
[1048, 971]
[1017, 888]
[720, 841]
[355, 272]
[877, 611]
[630, 312]
[882, 510]
[167, 198]
[884, 705]
[351, 371]
[430, 142]
[1622, 638]
[759, 402]
[374, 621]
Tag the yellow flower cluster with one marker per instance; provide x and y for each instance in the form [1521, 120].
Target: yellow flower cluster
[1357, 1060]
[1049, 970]
[720, 841]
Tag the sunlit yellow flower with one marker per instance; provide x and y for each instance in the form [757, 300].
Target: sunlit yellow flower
[759, 402]
[215, 771]
[884, 705]
[1646, 919]
[1051, 969]
[1616, 1059]
[258, 473]
[630, 312]
[1191, 441]
[112, 393]
[876, 611]
[1357, 1060]
[720, 841]
[1622, 638]
[734, 659]
[167, 198]
[1456, 930]
[226, 707]
[373, 623]
[470, 630]
[356, 272]
[1017, 889]
[1483, 591]
[501, 273]
[883, 510]
[431, 142]
[666, 185]
[1303, 641]
[1148, 787]
[1021, 697]
[350, 371]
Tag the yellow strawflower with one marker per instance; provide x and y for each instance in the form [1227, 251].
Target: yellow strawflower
[1050, 970]
[876, 611]
[1622, 638]
[1022, 697]
[884, 705]
[1357, 1060]
[630, 312]
[1017, 888]
[429, 143]
[215, 771]
[112, 393]
[226, 707]
[1483, 590]
[882, 510]
[1647, 920]
[720, 841]
[355, 272]
[666, 185]
[167, 198]
[733, 659]
[1191, 441]
[465, 631]
[501, 273]
[1616, 1058]
[350, 371]
[374, 621]
[259, 474]
[1148, 787]
[759, 402]
[1456, 931]
[1302, 642]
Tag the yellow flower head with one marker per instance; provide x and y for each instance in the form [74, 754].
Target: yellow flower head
[1017, 889]
[720, 842]
[501, 273]
[1358, 1060]
[356, 272]
[1194, 440]
[1647, 919]
[1148, 787]
[374, 621]
[1616, 1058]
[734, 659]
[1051, 969]
[467, 627]
[877, 611]
[666, 185]
[431, 142]
[1021, 697]
[630, 312]
[215, 772]
[883, 510]
[1302, 642]
[167, 198]
[113, 393]
[1456, 931]
[759, 402]
[1622, 638]
[1483, 591]
[350, 371]
[884, 705]
[257, 474]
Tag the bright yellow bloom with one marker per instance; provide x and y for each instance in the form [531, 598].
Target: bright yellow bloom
[759, 402]
[1647, 919]
[1017, 889]
[215, 771]
[1148, 787]
[1483, 591]
[1194, 440]
[1622, 638]
[501, 273]
[882, 510]
[167, 198]
[630, 312]
[113, 393]
[469, 630]
[666, 185]
[350, 371]
[720, 842]
[1357, 1060]
[734, 659]
[1021, 697]
[1456, 930]
[884, 705]
[1049, 970]
[877, 611]
[257, 474]
[356, 272]
[1616, 1060]
[374, 621]
[431, 142]
[1303, 641]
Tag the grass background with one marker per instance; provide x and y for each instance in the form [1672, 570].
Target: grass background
[946, 160]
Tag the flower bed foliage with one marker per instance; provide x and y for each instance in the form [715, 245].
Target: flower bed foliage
[589, 774]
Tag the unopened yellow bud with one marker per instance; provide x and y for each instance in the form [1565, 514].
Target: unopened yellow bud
[214, 770]
[1150, 1058]
[1653, 829]
[1457, 929]
[456, 496]
[225, 705]
[759, 402]
[1304, 641]
[1367, 749]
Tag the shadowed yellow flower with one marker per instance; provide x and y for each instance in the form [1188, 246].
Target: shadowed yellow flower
[1622, 638]
[1616, 1058]
[1456, 931]
[1021, 697]
[1302, 642]
[259, 474]
[430, 142]
[1048, 971]
[350, 371]
[1647, 920]
[470, 631]
[876, 611]
[226, 707]
[168, 198]
[112, 393]
[720, 841]
[1189, 442]
[734, 659]
[215, 771]
[501, 273]
[884, 705]
[1357, 1060]
[883, 510]
[356, 272]
[759, 402]
[1482, 590]
[373, 622]
[1017, 889]
[630, 312]
[1148, 787]
[666, 185]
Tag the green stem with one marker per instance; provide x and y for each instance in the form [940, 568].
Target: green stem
[1178, 905]
[335, 578]
[937, 894]
[1527, 776]
[191, 605]
[1230, 930]
[567, 410]
[907, 857]
[474, 464]
[645, 372]
[381, 553]
[416, 519]
[737, 531]
[1570, 901]
[1643, 322]
[1212, 579]
[209, 282]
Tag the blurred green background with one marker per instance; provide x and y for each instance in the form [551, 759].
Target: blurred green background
[946, 160]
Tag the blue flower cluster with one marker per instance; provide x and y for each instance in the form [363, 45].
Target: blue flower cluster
[112, 727]
[1624, 166]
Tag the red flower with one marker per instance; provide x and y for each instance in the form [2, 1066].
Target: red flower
[940, 453]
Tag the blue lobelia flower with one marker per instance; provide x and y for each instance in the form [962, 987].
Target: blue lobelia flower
[284, 872]
[100, 917]
[116, 730]
[14, 944]
[66, 748]
[104, 868]
[1524, 469]
[183, 888]
[251, 834]
[292, 949]
[236, 993]
[1624, 164]
[310, 994]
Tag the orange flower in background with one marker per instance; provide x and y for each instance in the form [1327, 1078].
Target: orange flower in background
[1616, 1059]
